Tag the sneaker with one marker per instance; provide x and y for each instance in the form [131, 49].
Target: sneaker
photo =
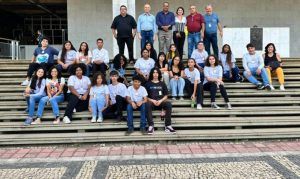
[74, 110]
[260, 86]
[37, 121]
[215, 106]
[268, 87]
[228, 106]
[199, 106]
[100, 119]
[150, 130]
[282, 88]
[66, 120]
[169, 129]
[25, 83]
[28, 121]
[93, 120]
[174, 99]
[56, 120]
[272, 87]
[129, 132]
[181, 98]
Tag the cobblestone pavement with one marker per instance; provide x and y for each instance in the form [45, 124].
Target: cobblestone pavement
[186, 160]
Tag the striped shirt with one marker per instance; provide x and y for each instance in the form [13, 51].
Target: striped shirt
[179, 25]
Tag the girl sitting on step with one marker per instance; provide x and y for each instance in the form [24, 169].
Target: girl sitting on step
[34, 92]
[55, 94]
[99, 97]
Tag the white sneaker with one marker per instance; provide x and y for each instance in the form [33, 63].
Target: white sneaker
[74, 110]
[199, 106]
[181, 98]
[93, 120]
[228, 106]
[174, 99]
[282, 88]
[215, 106]
[66, 120]
[272, 87]
[100, 119]
[25, 83]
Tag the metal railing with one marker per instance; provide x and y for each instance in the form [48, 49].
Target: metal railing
[9, 49]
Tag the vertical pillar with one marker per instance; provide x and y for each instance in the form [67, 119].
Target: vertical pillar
[130, 4]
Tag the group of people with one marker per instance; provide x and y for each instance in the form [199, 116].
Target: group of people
[155, 75]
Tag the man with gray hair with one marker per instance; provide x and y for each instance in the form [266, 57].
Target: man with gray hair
[212, 24]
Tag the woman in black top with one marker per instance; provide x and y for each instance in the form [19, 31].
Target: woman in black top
[273, 65]
[153, 54]
[162, 64]
[177, 82]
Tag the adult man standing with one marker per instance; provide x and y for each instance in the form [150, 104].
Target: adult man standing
[212, 24]
[124, 30]
[146, 26]
[196, 26]
[164, 21]
[100, 59]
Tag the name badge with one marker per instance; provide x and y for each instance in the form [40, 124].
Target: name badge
[209, 25]
[159, 93]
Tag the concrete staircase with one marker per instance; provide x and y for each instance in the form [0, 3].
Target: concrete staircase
[256, 115]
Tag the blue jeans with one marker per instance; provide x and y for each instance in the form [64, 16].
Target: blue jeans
[142, 108]
[31, 100]
[147, 36]
[213, 40]
[201, 72]
[54, 103]
[97, 105]
[177, 86]
[193, 39]
[235, 74]
[253, 80]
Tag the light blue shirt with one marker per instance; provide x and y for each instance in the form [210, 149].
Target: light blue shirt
[222, 57]
[212, 72]
[146, 22]
[211, 23]
[253, 61]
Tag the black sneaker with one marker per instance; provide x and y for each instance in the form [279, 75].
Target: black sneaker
[268, 87]
[260, 87]
[128, 132]
[150, 130]
[169, 129]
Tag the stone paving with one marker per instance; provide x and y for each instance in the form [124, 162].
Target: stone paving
[273, 159]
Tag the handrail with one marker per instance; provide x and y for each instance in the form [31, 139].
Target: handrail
[8, 39]
[13, 47]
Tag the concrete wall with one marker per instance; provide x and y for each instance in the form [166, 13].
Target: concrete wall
[90, 19]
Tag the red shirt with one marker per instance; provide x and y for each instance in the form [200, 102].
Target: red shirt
[194, 22]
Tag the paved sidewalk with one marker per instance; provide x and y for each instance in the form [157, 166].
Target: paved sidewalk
[149, 149]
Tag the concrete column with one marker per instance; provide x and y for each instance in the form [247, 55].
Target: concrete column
[130, 4]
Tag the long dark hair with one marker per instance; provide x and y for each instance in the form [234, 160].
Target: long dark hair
[86, 52]
[58, 72]
[164, 62]
[64, 50]
[207, 61]
[152, 49]
[143, 51]
[35, 80]
[151, 74]
[176, 52]
[228, 55]
[117, 61]
[266, 48]
[180, 64]
[95, 77]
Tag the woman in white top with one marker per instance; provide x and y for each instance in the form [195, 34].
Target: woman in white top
[84, 55]
[144, 65]
[213, 74]
[79, 88]
[178, 33]
[66, 57]
[230, 71]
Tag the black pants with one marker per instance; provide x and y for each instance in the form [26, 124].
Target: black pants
[75, 103]
[179, 42]
[166, 105]
[115, 110]
[189, 87]
[34, 66]
[129, 42]
[212, 88]
[101, 67]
